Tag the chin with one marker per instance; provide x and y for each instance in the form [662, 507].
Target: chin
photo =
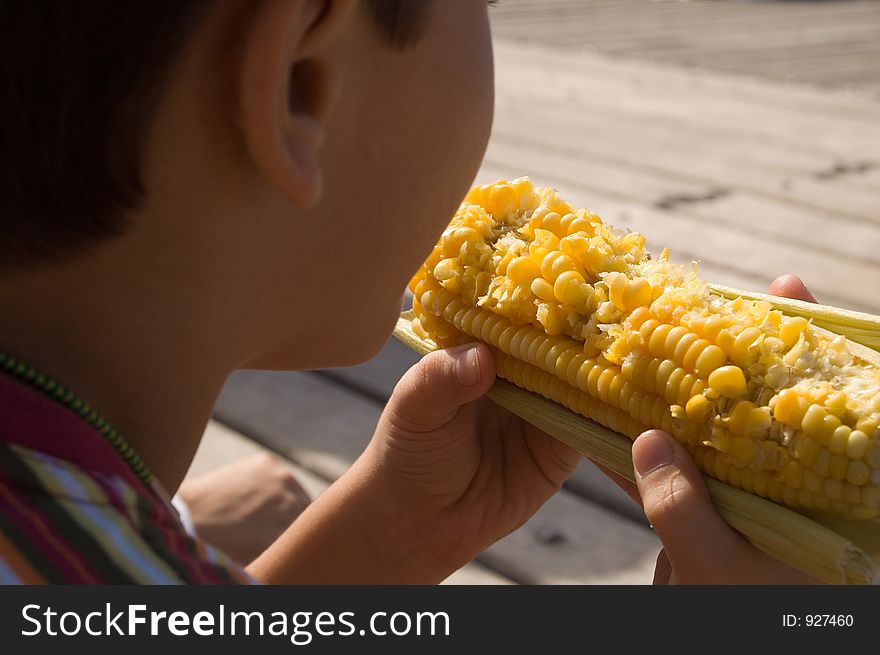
[369, 344]
[334, 349]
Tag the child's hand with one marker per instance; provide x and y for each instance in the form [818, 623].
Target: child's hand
[698, 546]
[462, 471]
[446, 474]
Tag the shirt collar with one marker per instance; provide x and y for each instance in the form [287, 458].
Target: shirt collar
[32, 420]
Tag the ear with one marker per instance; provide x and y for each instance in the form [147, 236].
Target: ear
[286, 89]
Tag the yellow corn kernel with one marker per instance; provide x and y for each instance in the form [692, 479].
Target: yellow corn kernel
[857, 444]
[791, 329]
[617, 283]
[554, 264]
[693, 353]
[570, 288]
[793, 475]
[833, 488]
[822, 463]
[729, 381]
[657, 344]
[713, 325]
[807, 450]
[868, 424]
[839, 438]
[857, 472]
[697, 407]
[543, 244]
[673, 337]
[638, 317]
[742, 345]
[550, 319]
[812, 482]
[552, 222]
[737, 421]
[813, 421]
[637, 294]
[790, 407]
[863, 512]
[606, 312]
[871, 496]
[725, 340]
[828, 427]
[759, 483]
[543, 289]
[683, 346]
[836, 403]
[522, 270]
[838, 467]
[742, 451]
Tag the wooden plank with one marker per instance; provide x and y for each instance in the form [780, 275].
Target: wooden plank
[590, 76]
[308, 419]
[528, 13]
[759, 54]
[641, 118]
[572, 542]
[323, 428]
[715, 35]
[684, 42]
[690, 153]
[679, 41]
[221, 446]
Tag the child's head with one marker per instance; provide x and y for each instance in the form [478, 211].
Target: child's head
[276, 168]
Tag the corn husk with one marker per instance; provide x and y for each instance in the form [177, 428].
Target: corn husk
[833, 550]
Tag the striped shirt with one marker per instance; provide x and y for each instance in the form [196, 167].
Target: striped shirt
[73, 511]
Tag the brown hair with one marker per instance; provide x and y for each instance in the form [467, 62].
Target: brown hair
[79, 85]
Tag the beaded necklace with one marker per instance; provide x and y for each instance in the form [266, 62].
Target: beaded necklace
[55, 391]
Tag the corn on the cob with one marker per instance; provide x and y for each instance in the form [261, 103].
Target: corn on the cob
[581, 314]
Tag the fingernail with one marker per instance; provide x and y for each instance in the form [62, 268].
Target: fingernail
[652, 452]
[467, 366]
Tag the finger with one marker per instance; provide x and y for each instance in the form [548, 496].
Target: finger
[791, 286]
[430, 394]
[662, 569]
[679, 509]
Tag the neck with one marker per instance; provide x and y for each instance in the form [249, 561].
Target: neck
[114, 344]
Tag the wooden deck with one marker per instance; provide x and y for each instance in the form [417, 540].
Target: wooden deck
[834, 43]
[625, 107]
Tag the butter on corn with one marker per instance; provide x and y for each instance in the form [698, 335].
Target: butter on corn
[582, 314]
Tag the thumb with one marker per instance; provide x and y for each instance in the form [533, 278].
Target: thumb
[677, 504]
[430, 393]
